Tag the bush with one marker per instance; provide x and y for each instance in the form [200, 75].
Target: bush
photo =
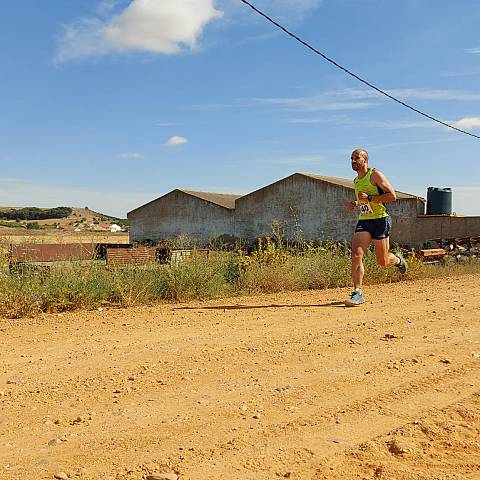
[267, 270]
[33, 226]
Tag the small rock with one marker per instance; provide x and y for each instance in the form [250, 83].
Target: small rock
[162, 476]
[389, 336]
[61, 476]
[397, 447]
[81, 472]
[54, 442]
[445, 360]
[474, 355]
[131, 378]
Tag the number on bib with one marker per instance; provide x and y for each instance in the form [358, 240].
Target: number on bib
[365, 209]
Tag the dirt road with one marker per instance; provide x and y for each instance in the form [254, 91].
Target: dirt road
[280, 386]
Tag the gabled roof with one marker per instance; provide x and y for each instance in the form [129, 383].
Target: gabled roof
[225, 200]
[344, 182]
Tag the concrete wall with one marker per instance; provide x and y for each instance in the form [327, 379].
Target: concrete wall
[302, 206]
[313, 209]
[432, 227]
[178, 213]
[298, 206]
[404, 213]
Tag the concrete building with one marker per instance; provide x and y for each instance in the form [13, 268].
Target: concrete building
[312, 207]
[300, 206]
[199, 215]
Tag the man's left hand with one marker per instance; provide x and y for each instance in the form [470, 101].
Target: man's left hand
[362, 197]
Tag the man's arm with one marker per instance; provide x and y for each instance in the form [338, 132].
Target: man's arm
[380, 180]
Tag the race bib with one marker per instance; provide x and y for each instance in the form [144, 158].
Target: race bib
[365, 208]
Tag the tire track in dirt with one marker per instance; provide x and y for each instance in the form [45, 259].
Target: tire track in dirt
[203, 372]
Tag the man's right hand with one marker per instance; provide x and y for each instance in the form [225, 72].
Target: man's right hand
[352, 205]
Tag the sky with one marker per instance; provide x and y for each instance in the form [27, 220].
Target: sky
[112, 103]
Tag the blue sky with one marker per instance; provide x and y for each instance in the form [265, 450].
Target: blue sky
[109, 104]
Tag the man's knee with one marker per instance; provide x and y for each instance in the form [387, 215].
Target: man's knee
[357, 255]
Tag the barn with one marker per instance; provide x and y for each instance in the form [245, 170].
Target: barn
[300, 206]
[199, 215]
[312, 207]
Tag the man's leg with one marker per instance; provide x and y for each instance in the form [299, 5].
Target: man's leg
[386, 258]
[360, 243]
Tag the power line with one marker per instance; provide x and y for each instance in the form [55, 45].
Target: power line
[333, 62]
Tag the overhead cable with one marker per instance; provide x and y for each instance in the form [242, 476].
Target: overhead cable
[333, 62]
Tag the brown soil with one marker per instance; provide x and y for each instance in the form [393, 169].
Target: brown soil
[279, 386]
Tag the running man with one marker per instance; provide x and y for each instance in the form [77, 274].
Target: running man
[372, 191]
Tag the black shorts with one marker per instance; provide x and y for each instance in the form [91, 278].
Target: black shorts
[378, 228]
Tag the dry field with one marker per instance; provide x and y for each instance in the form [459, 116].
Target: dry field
[276, 386]
[16, 235]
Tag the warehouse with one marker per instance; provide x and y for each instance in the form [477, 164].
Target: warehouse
[300, 206]
[199, 215]
[312, 207]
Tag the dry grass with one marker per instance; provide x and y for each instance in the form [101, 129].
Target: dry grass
[75, 286]
[18, 236]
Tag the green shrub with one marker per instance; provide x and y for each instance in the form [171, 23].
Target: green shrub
[72, 285]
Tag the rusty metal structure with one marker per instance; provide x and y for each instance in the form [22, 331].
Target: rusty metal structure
[45, 252]
[130, 256]
[113, 254]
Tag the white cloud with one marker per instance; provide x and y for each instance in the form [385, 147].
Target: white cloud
[130, 156]
[473, 50]
[407, 94]
[175, 141]
[311, 104]
[467, 123]
[357, 99]
[106, 6]
[166, 27]
[344, 120]
[466, 199]
[289, 11]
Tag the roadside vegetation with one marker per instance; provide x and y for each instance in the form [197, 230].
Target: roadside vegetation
[268, 268]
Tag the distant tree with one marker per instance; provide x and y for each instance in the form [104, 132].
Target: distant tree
[33, 226]
[34, 213]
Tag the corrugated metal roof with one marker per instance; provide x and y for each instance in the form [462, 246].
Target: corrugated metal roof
[226, 200]
[345, 182]
[130, 256]
[48, 252]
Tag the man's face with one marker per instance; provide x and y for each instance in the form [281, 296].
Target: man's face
[358, 160]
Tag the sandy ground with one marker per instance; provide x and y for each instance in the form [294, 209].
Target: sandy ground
[280, 386]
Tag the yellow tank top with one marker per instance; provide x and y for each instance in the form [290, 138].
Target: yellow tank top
[369, 211]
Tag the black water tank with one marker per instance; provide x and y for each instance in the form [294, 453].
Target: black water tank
[439, 201]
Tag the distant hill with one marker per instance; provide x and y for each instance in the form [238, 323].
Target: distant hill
[63, 218]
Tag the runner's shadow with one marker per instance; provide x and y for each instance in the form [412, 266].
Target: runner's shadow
[253, 307]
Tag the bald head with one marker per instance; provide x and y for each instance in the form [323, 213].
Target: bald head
[361, 152]
[359, 160]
